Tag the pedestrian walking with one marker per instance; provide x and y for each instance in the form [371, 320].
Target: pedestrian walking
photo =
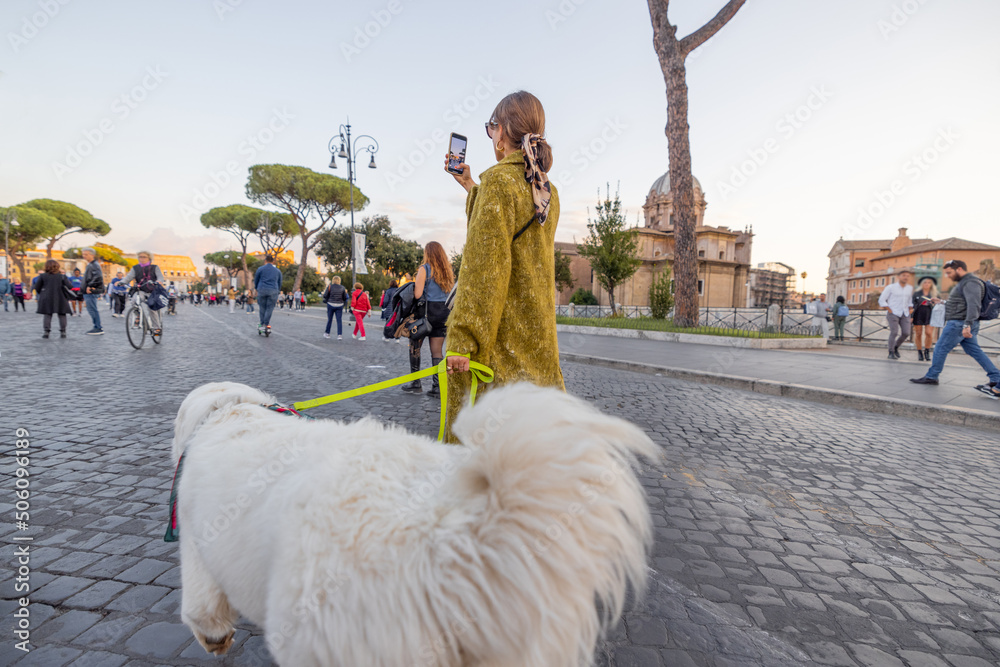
[504, 312]
[360, 305]
[267, 283]
[54, 289]
[76, 280]
[925, 335]
[840, 313]
[118, 290]
[961, 328]
[897, 299]
[92, 288]
[232, 300]
[295, 299]
[820, 310]
[18, 292]
[335, 297]
[302, 300]
[6, 291]
[385, 302]
[281, 300]
[434, 280]
[53, 298]
[249, 301]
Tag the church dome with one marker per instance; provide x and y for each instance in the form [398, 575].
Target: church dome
[661, 186]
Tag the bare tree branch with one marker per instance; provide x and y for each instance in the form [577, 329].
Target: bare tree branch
[704, 33]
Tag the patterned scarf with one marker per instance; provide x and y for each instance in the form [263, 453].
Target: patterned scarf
[541, 190]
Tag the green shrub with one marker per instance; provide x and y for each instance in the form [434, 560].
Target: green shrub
[583, 297]
[661, 299]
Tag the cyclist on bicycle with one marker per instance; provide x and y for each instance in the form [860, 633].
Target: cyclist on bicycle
[172, 299]
[146, 276]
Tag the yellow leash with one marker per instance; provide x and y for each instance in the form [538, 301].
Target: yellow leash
[480, 373]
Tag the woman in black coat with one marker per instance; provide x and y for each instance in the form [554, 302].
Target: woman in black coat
[52, 298]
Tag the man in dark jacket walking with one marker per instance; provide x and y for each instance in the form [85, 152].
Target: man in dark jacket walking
[961, 325]
[92, 288]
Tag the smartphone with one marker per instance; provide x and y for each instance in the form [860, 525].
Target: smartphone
[456, 153]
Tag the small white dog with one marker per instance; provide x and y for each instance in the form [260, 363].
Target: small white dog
[363, 545]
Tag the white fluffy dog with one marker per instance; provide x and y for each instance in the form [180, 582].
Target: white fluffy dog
[363, 545]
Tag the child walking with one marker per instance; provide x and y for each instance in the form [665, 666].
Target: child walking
[360, 305]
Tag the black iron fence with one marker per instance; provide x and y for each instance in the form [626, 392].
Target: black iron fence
[861, 325]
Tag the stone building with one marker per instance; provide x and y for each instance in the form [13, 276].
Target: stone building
[723, 256]
[861, 269]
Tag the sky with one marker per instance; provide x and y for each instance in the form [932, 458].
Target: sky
[809, 121]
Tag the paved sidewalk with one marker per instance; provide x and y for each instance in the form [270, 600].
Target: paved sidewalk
[785, 533]
[835, 370]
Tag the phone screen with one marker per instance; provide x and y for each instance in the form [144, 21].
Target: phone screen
[456, 153]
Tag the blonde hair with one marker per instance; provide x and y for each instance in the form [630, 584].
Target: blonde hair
[933, 292]
[521, 113]
[443, 275]
[335, 279]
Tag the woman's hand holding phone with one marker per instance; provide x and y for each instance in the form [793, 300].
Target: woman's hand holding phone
[465, 178]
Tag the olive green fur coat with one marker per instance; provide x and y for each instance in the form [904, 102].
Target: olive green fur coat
[504, 312]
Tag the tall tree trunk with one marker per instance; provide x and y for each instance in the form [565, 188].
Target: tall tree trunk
[671, 53]
[302, 262]
[611, 299]
[682, 191]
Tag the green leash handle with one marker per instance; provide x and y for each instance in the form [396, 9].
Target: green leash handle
[480, 373]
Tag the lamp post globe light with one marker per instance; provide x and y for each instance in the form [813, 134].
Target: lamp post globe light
[349, 152]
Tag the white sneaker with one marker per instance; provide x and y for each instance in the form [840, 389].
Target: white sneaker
[354, 335]
[362, 338]
[340, 338]
[326, 335]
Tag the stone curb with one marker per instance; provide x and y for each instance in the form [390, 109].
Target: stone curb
[897, 407]
[701, 339]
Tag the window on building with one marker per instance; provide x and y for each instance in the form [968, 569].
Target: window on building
[701, 253]
[859, 262]
[722, 254]
[701, 287]
[868, 283]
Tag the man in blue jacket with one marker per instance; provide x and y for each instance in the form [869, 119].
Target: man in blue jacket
[267, 282]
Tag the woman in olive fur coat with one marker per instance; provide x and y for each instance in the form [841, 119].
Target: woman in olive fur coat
[52, 297]
[504, 311]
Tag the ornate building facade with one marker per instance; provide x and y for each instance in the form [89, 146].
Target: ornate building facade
[723, 256]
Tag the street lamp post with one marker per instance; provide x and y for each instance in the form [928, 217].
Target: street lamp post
[349, 152]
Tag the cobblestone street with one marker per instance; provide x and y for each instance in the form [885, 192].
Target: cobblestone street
[786, 532]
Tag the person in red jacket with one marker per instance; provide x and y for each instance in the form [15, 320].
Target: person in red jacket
[360, 305]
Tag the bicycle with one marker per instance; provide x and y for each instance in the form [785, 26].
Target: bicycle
[137, 323]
